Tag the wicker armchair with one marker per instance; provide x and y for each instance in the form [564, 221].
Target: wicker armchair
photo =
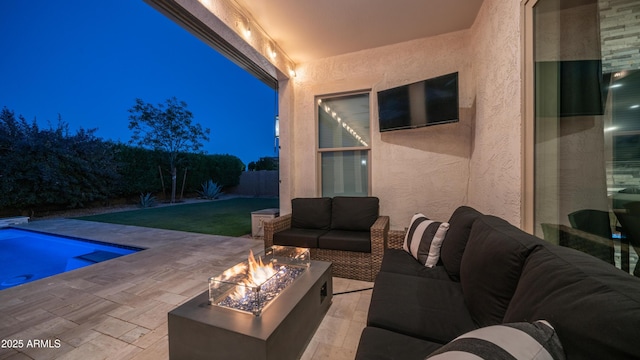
[346, 264]
[395, 239]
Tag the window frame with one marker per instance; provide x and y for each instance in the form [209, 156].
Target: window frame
[528, 106]
[320, 151]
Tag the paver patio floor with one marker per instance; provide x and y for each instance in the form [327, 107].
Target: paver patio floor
[118, 309]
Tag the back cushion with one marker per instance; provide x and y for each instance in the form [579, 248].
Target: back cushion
[457, 236]
[491, 267]
[311, 213]
[354, 213]
[594, 307]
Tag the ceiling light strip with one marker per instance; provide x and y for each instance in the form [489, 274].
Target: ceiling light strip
[250, 30]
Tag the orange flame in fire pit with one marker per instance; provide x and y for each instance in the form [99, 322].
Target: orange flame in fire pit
[257, 274]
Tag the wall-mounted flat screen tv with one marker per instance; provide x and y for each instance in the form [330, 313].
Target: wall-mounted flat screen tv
[428, 102]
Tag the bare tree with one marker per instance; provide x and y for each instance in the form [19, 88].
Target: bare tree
[167, 127]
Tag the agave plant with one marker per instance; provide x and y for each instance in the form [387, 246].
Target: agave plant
[210, 190]
[147, 200]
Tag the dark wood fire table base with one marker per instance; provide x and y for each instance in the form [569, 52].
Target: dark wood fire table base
[198, 330]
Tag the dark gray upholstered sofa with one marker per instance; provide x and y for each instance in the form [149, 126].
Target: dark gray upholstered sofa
[347, 231]
[492, 273]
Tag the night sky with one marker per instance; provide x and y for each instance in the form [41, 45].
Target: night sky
[89, 60]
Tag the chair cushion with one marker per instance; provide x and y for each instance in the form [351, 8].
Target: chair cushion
[459, 229]
[424, 239]
[359, 241]
[311, 213]
[517, 341]
[307, 238]
[401, 262]
[354, 213]
[491, 267]
[381, 344]
[428, 309]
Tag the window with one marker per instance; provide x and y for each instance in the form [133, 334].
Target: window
[344, 138]
[585, 126]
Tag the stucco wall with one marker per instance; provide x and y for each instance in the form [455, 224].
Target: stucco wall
[495, 185]
[420, 170]
[476, 162]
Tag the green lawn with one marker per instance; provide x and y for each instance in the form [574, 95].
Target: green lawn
[225, 217]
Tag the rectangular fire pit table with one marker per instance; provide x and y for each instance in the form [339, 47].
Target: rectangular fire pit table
[198, 330]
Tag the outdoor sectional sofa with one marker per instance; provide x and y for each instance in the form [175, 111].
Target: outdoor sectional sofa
[347, 231]
[491, 276]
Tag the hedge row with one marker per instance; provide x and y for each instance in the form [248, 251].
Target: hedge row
[140, 170]
[50, 168]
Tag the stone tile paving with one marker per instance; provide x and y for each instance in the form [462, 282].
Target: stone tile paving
[118, 309]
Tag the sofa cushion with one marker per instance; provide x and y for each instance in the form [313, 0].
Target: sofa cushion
[354, 213]
[311, 213]
[459, 229]
[424, 239]
[517, 341]
[401, 262]
[428, 309]
[307, 238]
[589, 302]
[381, 344]
[491, 267]
[359, 241]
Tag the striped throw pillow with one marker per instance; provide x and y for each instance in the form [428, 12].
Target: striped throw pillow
[514, 341]
[424, 239]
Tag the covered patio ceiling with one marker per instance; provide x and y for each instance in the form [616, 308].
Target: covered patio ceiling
[307, 30]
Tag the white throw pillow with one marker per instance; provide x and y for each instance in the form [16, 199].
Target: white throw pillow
[424, 238]
[519, 341]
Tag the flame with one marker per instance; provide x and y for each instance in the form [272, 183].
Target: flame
[257, 274]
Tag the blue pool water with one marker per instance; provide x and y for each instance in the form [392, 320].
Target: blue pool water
[26, 256]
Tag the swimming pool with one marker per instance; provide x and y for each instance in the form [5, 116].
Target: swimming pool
[26, 256]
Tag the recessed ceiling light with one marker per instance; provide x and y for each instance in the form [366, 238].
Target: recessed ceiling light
[634, 106]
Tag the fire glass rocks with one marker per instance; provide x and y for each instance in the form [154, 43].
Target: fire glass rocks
[251, 285]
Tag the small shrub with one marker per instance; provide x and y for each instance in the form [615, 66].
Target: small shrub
[210, 190]
[147, 200]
